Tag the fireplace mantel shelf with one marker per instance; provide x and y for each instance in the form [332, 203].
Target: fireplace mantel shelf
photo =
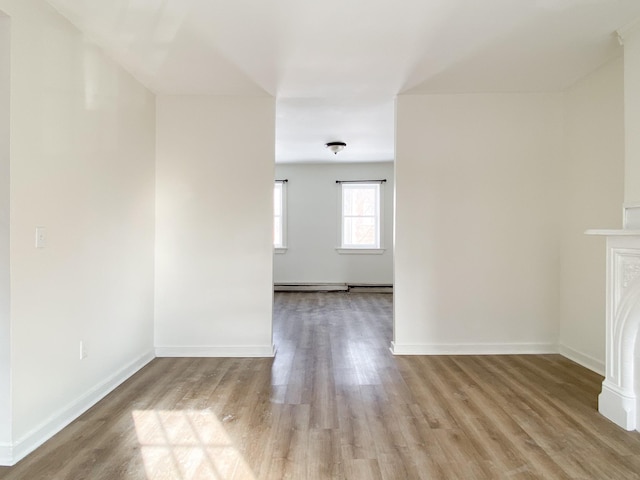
[614, 233]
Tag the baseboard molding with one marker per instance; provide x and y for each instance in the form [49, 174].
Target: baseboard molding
[10, 455]
[585, 360]
[333, 287]
[6, 455]
[474, 349]
[371, 288]
[310, 287]
[217, 351]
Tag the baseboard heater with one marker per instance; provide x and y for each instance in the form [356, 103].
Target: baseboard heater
[332, 287]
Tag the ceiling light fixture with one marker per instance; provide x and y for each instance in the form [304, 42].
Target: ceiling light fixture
[335, 147]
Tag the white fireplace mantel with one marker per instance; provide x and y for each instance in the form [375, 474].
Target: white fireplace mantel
[619, 400]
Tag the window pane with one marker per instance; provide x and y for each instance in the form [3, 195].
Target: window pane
[277, 231]
[347, 195]
[359, 200]
[277, 199]
[359, 231]
[365, 202]
[347, 231]
[364, 232]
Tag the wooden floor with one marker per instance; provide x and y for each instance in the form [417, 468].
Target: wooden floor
[334, 404]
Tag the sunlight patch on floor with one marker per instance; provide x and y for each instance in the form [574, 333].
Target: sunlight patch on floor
[187, 445]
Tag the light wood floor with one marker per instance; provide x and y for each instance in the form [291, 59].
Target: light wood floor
[335, 404]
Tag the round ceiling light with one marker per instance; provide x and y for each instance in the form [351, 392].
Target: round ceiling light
[335, 147]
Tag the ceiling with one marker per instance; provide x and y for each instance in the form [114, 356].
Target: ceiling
[335, 66]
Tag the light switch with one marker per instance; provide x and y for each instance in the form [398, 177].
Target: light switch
[41, 237]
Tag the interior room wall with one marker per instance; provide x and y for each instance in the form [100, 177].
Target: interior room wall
[5, 292]
[632, 115]
[214, 225]
[82, 166]
[476, 252]
[313, 226]
[593, 191]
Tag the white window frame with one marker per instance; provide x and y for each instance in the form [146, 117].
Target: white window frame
[378, 247]
[282, 186]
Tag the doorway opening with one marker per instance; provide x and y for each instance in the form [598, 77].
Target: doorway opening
[310, 253]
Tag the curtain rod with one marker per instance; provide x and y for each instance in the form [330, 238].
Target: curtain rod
[383, 180]
[284, 180]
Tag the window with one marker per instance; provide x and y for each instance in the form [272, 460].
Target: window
[279, 223]
[360, 216]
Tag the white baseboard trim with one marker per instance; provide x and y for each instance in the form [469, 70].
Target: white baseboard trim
[6, 455]
[474, 349]
[10, 455]
[217, 351]
[583, 359]
[334, 287]
[310, 287]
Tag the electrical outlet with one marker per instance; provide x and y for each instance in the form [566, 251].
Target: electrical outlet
[83, 350]
[41, 237]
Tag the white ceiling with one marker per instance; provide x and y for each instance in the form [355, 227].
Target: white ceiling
[335, 66]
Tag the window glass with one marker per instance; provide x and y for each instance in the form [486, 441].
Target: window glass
[361, 215]
[278, 215]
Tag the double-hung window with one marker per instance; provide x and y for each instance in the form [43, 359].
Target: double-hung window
[279, 218]
[361, 216]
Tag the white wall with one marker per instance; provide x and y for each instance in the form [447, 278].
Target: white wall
[476, 252]
[313, 226]
[593, 190]
[82, 165]
[214, 225]
[632, 116]
[5, 292]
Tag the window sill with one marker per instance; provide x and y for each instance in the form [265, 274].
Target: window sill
[360, 251]
[280, 250]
